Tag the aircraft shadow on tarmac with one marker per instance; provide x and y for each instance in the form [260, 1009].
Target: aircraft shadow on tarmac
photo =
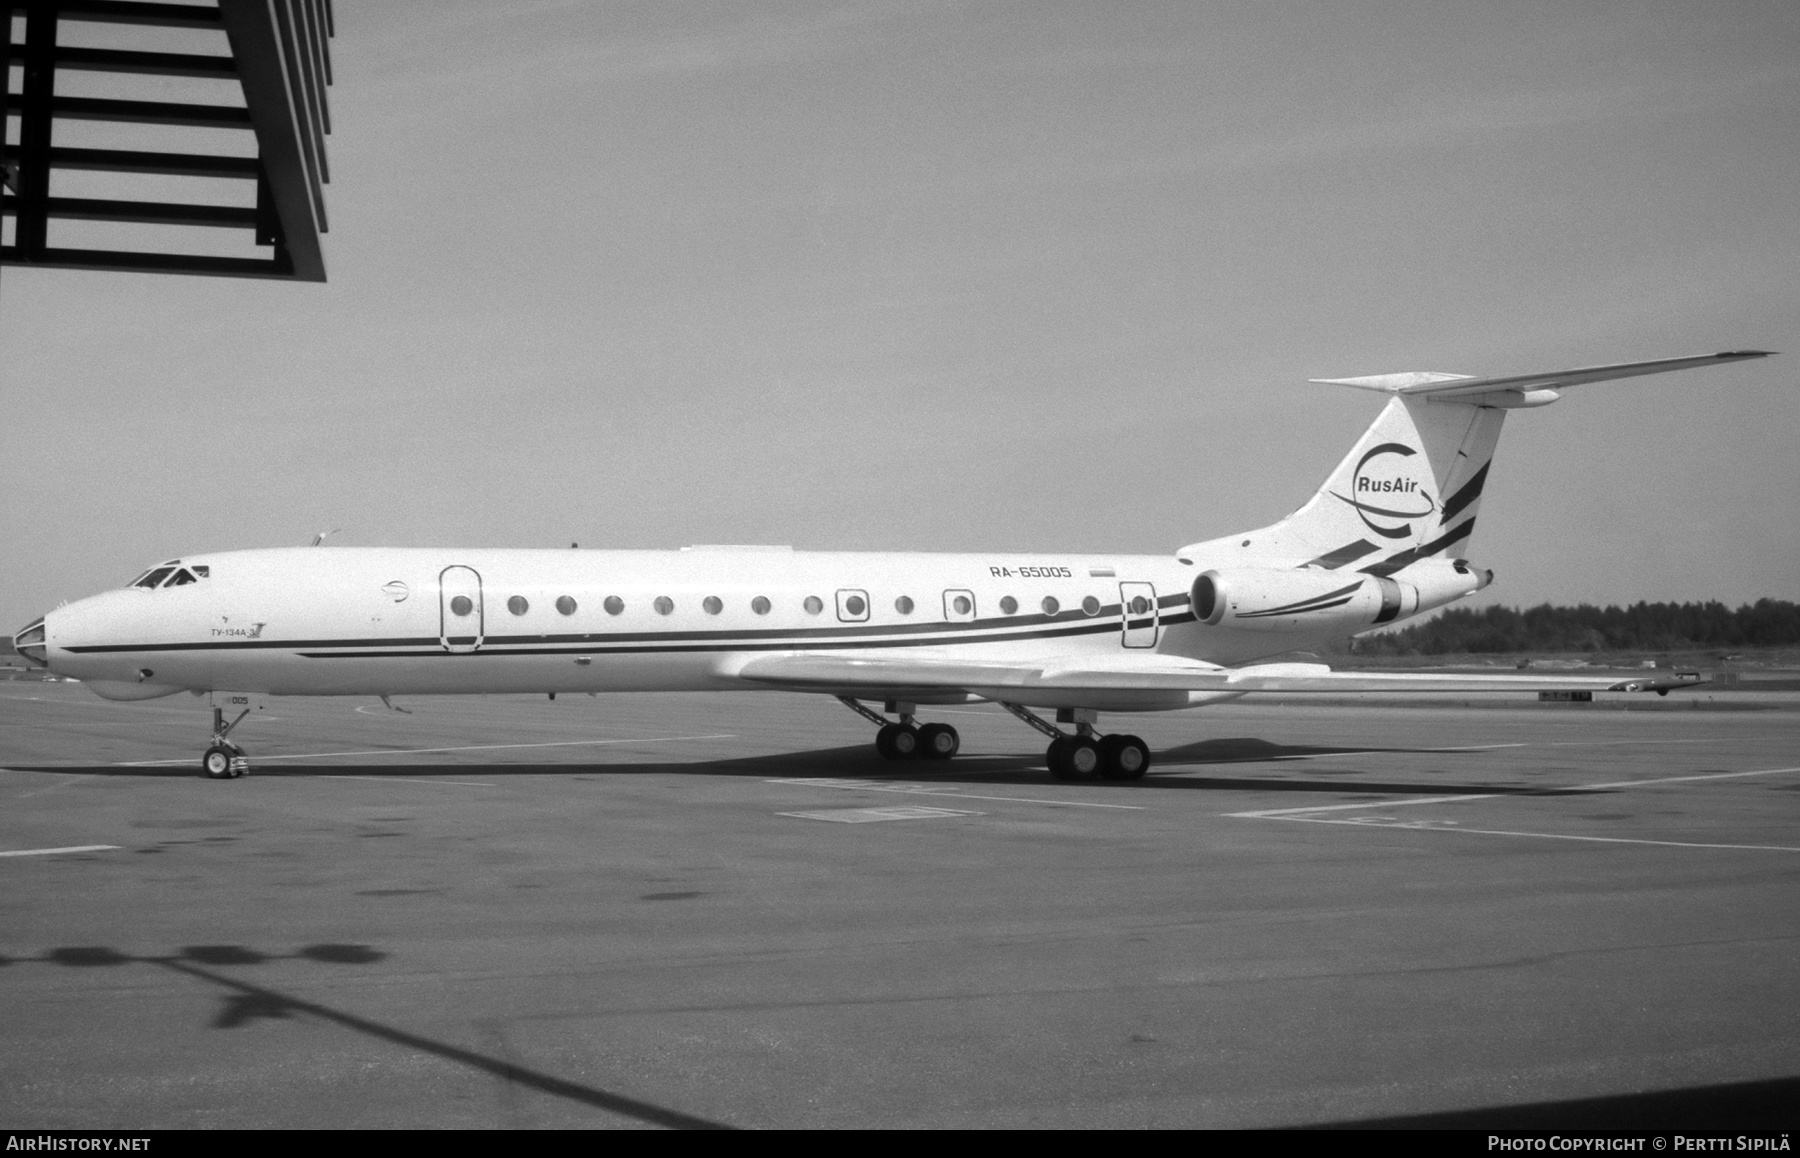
[1761, 1106]
[1734, 1108]
[859, 761]
[244, 1003]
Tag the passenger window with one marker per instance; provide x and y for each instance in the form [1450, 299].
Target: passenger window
[155, 577]
[1050, 605]
[517, 605]
[759, 605]
[1008, 604]
[959, 606]
[853, 606]
[712, 605]
[813, 605]
[461, 605]
[1090, 605]
[181, 578]
[663, 604]
[614, 605]
[565, 605]
[1140, 605]
[904, 605]
[962, 604]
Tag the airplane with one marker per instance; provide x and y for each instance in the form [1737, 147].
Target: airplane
[1384, 539]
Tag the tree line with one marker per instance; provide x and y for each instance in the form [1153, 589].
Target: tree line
[1639, 627]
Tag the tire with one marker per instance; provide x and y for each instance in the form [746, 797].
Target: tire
[1124, 758]
[938, 742]
[216, 764]
[1083, 759]
[1057, 756]
[897, 742]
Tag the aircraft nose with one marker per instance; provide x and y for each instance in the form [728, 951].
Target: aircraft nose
[29, 642]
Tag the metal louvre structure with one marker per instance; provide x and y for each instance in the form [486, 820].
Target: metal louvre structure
[279, 55]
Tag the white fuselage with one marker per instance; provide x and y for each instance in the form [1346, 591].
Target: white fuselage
[354, 621]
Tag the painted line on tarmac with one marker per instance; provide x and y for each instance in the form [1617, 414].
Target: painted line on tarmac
[921, 790]
[1682, 779]
[1359, 751]
[1618, 743]
[96, 702]
[1300, 813]
[1452, 826]
[893, 812]
[435, 751]
[53, 851]
[416, 780]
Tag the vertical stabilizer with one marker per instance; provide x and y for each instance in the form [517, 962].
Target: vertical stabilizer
[1408, 490]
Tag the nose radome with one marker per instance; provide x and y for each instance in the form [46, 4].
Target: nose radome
[29, 642]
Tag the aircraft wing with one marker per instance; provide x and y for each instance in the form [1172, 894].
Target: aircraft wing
[893, 677]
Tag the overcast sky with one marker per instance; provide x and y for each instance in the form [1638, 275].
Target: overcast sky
[1009, 276]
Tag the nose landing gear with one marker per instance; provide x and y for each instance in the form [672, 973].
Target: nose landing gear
[224, 760]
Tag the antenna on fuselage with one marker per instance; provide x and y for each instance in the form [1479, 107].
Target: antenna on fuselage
[320, 537]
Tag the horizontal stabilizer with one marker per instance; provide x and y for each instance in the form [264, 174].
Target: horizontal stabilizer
[1431, 384]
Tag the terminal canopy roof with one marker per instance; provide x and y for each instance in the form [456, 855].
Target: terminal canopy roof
[167, 137]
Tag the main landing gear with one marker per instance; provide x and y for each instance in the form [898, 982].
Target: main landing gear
[906, 740]
[224, 760]
[1087, 755]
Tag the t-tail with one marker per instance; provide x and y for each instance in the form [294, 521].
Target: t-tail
[1405, 500]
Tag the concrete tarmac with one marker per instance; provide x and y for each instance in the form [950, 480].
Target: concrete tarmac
[690, 910]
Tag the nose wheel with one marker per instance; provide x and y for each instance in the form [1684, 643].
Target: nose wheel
[224, 760]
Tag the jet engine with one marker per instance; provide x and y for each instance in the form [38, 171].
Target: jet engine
[1269, 599]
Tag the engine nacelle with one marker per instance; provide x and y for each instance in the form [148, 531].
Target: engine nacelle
[1298, 599]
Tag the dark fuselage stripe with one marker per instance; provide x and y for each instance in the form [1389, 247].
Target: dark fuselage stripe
[1407, 558]
[1348, 553]
[1311, 603]
[1311, 607]
[978, 631]
[1466, 494]
[487, 648]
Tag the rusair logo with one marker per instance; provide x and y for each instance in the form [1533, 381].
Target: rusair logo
[1405, 493]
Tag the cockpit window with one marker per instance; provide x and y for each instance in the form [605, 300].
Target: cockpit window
[172, 574]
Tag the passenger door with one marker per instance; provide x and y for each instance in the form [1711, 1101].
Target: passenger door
[460, 614]
[1137, 611]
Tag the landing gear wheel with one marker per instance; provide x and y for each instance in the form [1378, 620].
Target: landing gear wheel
[897, 742]
[938, 742]
[1083, 758]
[217, 763]
[1124, 757]
[1074, 758]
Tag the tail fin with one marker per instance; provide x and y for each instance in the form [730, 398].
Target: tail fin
[1411, 487]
